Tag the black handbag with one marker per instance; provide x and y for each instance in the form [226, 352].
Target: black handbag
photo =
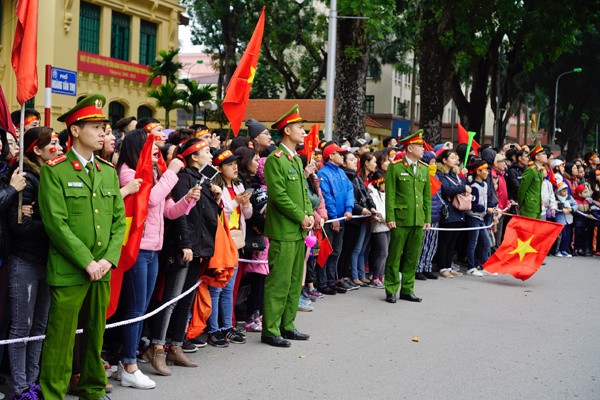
[254, 241]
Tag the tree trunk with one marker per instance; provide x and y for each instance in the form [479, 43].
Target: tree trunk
[435, 69]
[472, 113]
[351, 75]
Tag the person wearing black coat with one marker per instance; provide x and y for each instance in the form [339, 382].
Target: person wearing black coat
[29, 295]
[11, 183]
[189, 244]
[351, 265]
[514, 176]
[452, 184]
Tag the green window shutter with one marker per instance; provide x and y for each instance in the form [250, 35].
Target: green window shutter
[120, 36]
[89, 28]
[116, 111]
[147, 42]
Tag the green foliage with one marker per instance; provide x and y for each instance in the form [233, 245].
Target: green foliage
[165, 66]
[197, 94]
[168, 97]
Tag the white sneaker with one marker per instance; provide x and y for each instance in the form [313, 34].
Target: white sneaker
[474, 272]
[137, 380]
[484, 272]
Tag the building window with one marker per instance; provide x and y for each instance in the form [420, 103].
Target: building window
[399, 107]
[89, 28]
[407, 78]
[116, 111]
[370, 104]
[144, 112]
[147, 42]
[119, 45]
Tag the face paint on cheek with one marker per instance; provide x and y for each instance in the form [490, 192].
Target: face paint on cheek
[53, 150]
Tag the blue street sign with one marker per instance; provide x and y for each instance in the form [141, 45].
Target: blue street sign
[64, 81]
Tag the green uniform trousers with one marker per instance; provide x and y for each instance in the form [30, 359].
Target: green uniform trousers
[68, 305]
[405, 245]
[283, 286]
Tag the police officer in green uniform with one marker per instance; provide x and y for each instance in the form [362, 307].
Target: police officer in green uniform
[530, 191]
[408, 212]
[83, 214]
[289, 218]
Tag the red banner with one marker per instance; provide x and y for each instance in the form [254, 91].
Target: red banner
[90, 62]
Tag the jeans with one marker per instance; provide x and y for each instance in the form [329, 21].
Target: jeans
[174, 280]
[357, 259]
[478, 243]
[430, 244]
[181, 313]
[328, 274]
[565, 239]
[380, 243]
[29, 300]
[222, 306]
[138, 285]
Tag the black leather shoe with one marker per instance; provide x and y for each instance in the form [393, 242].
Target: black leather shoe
[390, 298]
[410, 297]
[295, 335]
[276, 341]
[420, 276]
[430, 275]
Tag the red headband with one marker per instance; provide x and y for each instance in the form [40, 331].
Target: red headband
[194, 148]
[222, 156]
[378, 181]
[30, 119]
[148, 128]
[36, 141]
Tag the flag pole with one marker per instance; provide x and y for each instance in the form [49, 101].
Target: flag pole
[21, 155]
[471, 136]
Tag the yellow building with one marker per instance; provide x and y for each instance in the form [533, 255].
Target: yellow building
[108, 44]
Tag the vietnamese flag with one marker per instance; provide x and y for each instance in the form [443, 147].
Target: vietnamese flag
[325, 249]
[238, 89]
[5, 120]
[435, 184]
[311, 141]
[24, 51]
[136, 211]
[463, 137]
[526, 243]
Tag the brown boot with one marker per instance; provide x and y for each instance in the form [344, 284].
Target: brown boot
[177, 357]
[157, 357]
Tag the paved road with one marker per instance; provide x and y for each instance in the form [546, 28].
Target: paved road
[480, 338]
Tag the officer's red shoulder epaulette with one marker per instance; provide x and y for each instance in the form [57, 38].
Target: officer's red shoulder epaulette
[102, 160]
[56, 160]
[396, 160]
[278, 153]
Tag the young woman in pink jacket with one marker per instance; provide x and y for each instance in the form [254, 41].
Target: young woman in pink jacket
[139, 281]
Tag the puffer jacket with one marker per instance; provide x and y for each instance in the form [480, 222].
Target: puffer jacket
[452, 185]
[337, 190]
[158, 206]
[379, 200]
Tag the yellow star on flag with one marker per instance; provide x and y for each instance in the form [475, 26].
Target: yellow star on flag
[523, 248]
[252, 73]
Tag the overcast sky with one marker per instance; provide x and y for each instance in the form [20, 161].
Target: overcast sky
[186, 42]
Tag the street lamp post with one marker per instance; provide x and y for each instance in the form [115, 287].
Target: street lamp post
[573, 71]
[192, 65]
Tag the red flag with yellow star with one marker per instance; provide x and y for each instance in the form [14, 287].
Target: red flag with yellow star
[524, 248]
[238, 89]
[136, 211]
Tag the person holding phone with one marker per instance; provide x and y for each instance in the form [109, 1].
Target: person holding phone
[189, 244]
[237, 207]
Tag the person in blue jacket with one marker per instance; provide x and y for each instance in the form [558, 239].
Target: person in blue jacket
[338, 194]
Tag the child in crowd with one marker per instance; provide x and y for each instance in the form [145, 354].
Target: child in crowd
[478, 245]
[380, 233]
[564, 215]
[581, 222]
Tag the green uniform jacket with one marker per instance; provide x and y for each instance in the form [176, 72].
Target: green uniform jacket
[288, 201]
[84, 222]
[530, 192]
[407, 194]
